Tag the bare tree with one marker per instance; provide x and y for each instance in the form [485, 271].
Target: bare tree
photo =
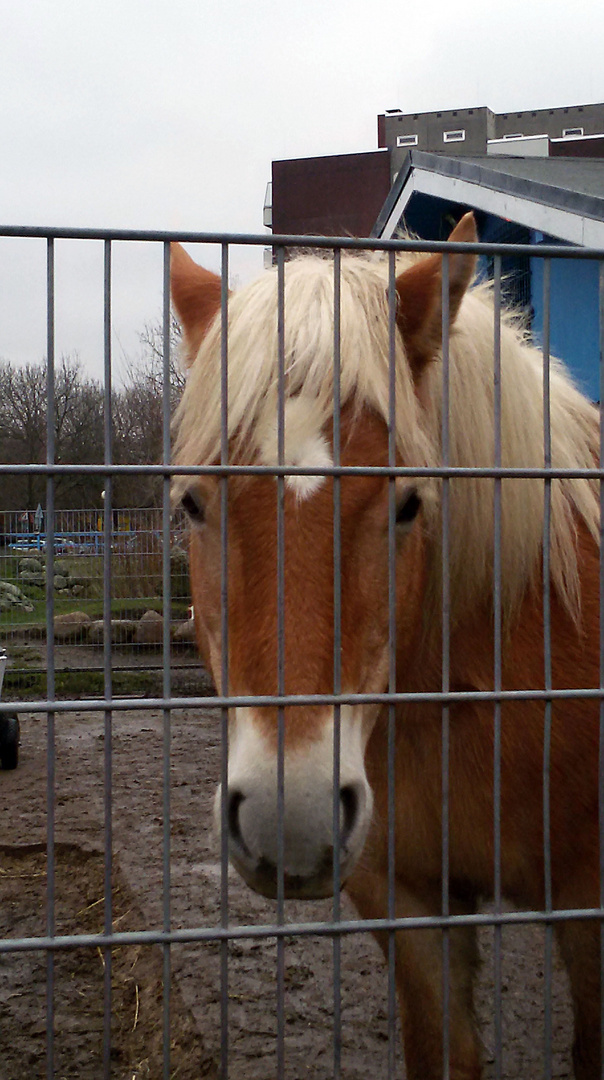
[22, 427]
[137, 409]
[78, 430]
[78, 422]
[149, 368]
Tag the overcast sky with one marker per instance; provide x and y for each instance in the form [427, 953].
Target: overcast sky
[167, 114]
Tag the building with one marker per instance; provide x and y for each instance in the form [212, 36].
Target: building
[341, 195]
[530, 177]
[467, 132]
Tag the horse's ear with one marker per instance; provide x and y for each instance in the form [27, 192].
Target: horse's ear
[196, 297]
[419, 291]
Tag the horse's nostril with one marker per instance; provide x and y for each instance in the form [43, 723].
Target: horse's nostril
[235, 799]
[349, 809]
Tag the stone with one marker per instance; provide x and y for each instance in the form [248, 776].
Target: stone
[150, 629]
[85, 582]
[60, 582]
[8, 588]
[184, 632]
[72, 626]
[11, 598]
[31, 564]
[32, 578]
[122, 631]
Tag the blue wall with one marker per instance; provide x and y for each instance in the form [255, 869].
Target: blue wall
[574, 335]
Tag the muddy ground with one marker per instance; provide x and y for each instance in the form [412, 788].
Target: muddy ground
[137, 971]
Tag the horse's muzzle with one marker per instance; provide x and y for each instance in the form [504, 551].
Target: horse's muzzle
[299, 830]
[301, 848]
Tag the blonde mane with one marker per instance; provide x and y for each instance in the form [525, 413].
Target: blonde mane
[253, 351]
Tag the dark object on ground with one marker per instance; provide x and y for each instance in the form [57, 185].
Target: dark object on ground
[9, 741]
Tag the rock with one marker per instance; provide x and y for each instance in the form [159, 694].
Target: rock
[33, 578]
[31, 564]
[77, 590]
[60, 582]
[150, 629]
[96, 632]
[72, 626]
[7, 588]
[184, 632]
[11, 597]
[85, 582]
[122, 631]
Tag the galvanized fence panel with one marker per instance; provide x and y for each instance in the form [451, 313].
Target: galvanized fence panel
[116, 547]
[90, 548]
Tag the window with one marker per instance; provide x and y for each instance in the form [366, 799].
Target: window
[513, 135]
[454, 136]
[569, 133]
[406, 140]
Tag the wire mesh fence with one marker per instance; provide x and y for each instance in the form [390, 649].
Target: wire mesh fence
[78, 541]
[153, 958]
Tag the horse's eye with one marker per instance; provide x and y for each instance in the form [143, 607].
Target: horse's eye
[409, 508]
[193, 507]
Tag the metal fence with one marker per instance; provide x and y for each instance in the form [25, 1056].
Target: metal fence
[137, 602]
[166, 930]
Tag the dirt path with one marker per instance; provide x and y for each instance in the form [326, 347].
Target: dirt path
[195, 901]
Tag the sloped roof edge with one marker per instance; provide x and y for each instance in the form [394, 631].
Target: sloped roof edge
[570, 215]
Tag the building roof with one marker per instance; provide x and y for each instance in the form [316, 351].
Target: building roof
[563, 197]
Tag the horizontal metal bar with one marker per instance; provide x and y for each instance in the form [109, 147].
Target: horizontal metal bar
[349, 243]
[436, 471]
[293, 930]
[452, 697]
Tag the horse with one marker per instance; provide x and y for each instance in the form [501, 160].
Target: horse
[499, 609]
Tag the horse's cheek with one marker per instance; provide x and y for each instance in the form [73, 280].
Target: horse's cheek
[206, 605]
[411, 575]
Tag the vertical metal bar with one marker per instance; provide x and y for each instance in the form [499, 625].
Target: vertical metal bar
[224, 639]
[445, 673]
[391, 748]
[107, 678]
[547, 669]
[167, 614]
[337, 666]
[280, 661]
[50, 669]
[497, 667]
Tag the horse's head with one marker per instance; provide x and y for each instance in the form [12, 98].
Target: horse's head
[282, 606]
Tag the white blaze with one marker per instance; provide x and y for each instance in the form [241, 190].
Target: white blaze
[305, 446]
